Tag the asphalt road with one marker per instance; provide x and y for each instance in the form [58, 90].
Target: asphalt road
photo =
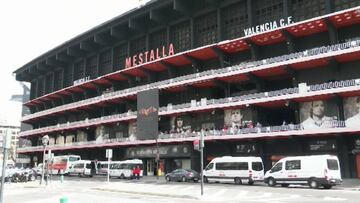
[84, 190]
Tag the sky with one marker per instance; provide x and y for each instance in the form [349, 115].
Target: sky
[31, 28]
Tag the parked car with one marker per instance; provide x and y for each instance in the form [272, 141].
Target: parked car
[315, 171]
[183, 175]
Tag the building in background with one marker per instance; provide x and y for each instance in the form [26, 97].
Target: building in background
[14, 131]
[269, 78]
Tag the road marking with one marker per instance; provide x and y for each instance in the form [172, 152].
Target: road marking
[187, 188]
[333, 199]
[241, 194]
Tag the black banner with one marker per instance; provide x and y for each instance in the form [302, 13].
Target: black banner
[322, 145]
[147, 114]
[164, 151]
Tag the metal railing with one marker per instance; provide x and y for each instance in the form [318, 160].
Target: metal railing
[228, 100]
[187, 134]
[212, 73]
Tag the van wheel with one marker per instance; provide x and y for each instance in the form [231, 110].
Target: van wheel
[206, 179]
[122, 176]
[271, 182]
[313, 183]
[183, 179]
[327, 186]
[251, 182]
[284, 185]
[237, 181]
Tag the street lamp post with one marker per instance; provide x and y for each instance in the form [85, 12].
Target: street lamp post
[6, 146]
[45, 141]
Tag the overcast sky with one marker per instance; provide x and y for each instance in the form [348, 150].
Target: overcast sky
[31, 28]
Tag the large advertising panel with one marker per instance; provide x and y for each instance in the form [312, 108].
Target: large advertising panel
[352, 111]
[237, 117]
[147, 114]
[319, 114]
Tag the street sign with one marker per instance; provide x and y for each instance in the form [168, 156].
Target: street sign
[109, 153]
[196, 144]
[7, 140]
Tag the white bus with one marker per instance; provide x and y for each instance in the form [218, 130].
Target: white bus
[61, 164]
[235, 169]
[123, 169]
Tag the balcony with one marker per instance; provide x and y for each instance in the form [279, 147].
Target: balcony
[263, 68]
[279, 97]
[335, 127]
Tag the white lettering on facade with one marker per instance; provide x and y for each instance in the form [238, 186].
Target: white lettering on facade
[268, 26]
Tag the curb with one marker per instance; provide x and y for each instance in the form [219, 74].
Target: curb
[147, 193]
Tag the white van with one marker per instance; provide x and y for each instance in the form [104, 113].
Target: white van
[83, 168]
[315, 171]
[235, 169]
[123, 169]
[102, 167]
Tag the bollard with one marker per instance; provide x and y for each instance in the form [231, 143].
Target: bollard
[63, 200]
[62, 178]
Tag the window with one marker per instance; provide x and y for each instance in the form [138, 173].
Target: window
[232, 166]
[180, 36]
[268, 10]
[58, 80]
[68, 76]
[276, 168]
[257, 166]
[138, 45]
[305, 9]
[293, 165]
[79, 166]
[206, 29]
[345, 4]
[158, 39]
[105, 62]
[74, 159]
[91, 67]
[332, 164]
[209, 167]
[79, 71]
[235, 19]
[120, 54]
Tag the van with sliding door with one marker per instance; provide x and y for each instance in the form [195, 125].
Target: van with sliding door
[315, 171]
[235, 169]
[83, 168]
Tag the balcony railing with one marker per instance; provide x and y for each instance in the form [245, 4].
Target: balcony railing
[185, 135]
[195, 104]
[236, 69]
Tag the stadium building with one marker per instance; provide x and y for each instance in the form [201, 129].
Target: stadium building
[269, 78]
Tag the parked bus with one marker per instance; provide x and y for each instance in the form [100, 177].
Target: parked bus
[123, 169]
[61, 164]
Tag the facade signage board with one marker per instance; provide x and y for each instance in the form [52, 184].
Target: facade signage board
[164, 151]
[148, 56]
[268, 26]
[322, 145]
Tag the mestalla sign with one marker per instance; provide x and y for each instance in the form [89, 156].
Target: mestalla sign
[268, 26]
[149, 56]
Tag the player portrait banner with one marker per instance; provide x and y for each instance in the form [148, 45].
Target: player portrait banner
[319, 114]
[147, 114]
[352, 111]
